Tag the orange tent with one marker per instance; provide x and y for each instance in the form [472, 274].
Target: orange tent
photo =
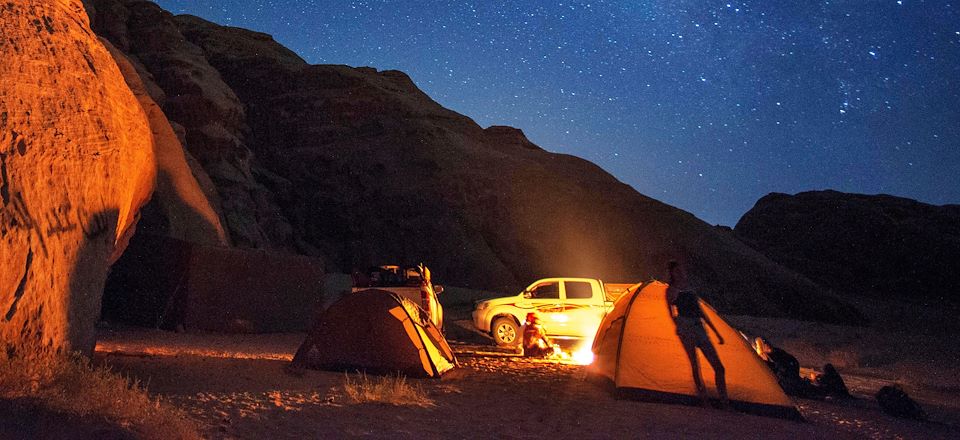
[638, 349]
[378, 332]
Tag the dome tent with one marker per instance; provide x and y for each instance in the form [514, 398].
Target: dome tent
[378, 332]
[637, 348]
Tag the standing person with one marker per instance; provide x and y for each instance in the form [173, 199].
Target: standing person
[428, 298]
[684, 308]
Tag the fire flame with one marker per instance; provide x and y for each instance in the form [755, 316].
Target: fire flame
[583, 355]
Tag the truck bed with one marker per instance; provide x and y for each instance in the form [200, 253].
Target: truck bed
[616, 290]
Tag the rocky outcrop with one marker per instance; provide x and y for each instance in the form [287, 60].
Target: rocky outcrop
[880, 245]
[185, 211]
[212, 118]
[76, 164]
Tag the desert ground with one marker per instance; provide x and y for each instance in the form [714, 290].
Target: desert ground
[235, 386]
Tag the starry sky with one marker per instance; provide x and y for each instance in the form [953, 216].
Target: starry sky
[705, 105]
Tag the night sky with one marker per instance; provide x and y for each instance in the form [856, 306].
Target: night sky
[704, 105]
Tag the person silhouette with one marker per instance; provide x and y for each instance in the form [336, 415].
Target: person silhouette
[684, 308]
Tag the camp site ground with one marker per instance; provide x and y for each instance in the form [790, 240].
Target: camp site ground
[235, 386]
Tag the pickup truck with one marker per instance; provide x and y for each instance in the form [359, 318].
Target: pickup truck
[570, 308]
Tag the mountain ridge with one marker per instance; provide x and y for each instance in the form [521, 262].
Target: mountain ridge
[360, 167]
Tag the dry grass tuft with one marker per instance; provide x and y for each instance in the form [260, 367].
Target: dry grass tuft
[392, 390]
[70, 385]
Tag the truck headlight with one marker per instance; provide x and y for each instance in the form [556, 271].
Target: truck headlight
[482, 305]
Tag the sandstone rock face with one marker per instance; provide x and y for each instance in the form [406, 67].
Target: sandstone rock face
[187, 213]
[209, 111]
[76, 164]
[869, 245]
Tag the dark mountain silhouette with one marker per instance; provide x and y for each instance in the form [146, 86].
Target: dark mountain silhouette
[360, 167]
[881, 246]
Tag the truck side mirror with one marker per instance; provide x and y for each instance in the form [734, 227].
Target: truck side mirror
[527, 294]
[437, 289]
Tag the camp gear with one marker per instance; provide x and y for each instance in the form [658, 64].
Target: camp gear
[895, 402]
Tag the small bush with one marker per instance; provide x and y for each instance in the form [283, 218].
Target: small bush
[69, 384]
[392, 390]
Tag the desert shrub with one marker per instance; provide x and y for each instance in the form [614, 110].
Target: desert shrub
[71, 385]
[392, 390]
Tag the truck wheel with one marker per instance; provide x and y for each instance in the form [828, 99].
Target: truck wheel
[505, 332]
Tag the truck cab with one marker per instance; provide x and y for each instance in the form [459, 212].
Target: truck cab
[570, 308]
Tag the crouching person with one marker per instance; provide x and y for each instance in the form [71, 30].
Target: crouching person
[831, 384]
[535, 340]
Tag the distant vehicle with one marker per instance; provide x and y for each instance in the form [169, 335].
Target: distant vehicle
[412, 283]
[570, 308]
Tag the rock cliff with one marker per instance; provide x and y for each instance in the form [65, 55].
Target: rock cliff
[879, 246]
[193, 96]
[76, 164]
[185, 211]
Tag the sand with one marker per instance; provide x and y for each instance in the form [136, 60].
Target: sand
[235, 386]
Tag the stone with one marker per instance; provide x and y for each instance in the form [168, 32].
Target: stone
[76, 164]
[213, 118]
[188, 214]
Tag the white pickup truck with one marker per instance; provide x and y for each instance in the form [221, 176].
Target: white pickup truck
[570, 308]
